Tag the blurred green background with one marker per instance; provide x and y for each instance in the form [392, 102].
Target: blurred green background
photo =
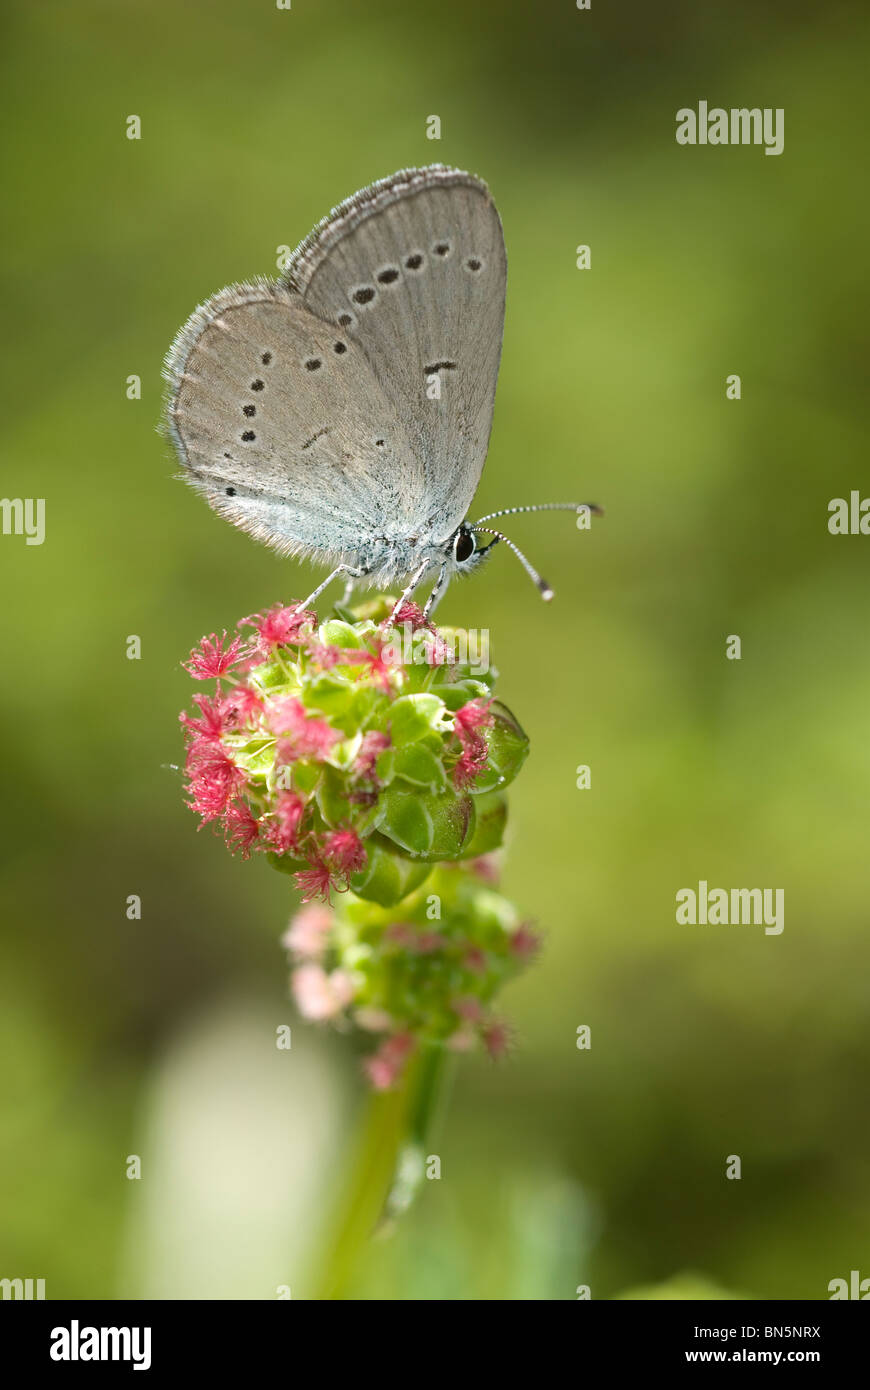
[560, 1167]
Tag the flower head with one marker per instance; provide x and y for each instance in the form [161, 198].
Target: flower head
[286, 818]
[320, 995]
[306, 937]
[344, 851]
[315, 882]
[468, 722]
[214, 657]
[280, 626]
[386, 1065]
[359, 768]
[304, 736]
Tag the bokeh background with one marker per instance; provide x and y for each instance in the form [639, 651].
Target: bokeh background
[561, 1167]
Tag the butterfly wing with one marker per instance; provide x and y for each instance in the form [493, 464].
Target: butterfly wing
[280, 422]
[413, 269]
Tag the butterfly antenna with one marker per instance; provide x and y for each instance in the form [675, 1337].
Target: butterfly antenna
[547, 507]
[543, 587]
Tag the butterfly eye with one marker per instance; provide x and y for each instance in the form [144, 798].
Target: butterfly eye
[464, 546]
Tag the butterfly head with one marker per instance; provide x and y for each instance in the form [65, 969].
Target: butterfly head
[463, 550]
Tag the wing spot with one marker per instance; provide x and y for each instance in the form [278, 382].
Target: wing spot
[266, 358]
[345, 320]
[309, 442]
[387, 276]
[414, 261]
[249, 410]
[473, 263]
[441, 248]
[339, 348]
[312, 364]
[364, 295]
[439, 366]
[248, 435]
[231, 492]
[257, 385]
[379, 443]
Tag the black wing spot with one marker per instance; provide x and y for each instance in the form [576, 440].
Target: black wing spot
[379, 443]
[231, 492]
[248, 435]
[387, 276]
[339, 348]
[441, 248]
[266, 358]
[249, 410]
[312, 364]
[257, 385]
[439, 367]
[364, 295]
[345, 320]
[309, 442]
[414, 261]
[473, 263]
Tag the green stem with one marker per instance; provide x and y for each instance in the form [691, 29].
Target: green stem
[388, 1167]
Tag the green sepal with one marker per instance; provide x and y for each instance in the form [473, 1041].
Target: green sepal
[412, 717]
[336, 633]
[332, 799]
[426, 825]
[507, 749]
[416, 763]
[491, 819]
[461, 693]
[388, 877]
[305, 776]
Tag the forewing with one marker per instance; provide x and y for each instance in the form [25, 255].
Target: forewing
[413, 269]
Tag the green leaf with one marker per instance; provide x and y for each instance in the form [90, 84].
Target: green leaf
[461, 693]
[419, 765]
[364, 706]
[335, 633]
[332, 799]
[426, 825]
[344, 753]
[328, 694]
[271, 676]
[304, 776]
[406, 820]
[412, 717]
[257, 756]
[388, 876]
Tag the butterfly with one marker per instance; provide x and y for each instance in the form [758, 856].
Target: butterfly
[343, 411]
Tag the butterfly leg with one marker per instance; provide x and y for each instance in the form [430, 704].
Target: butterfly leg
[437, 593]
[347, 594]
[341, 569]
[410, 587]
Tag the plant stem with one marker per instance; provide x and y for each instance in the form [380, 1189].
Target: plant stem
[388, 1166]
